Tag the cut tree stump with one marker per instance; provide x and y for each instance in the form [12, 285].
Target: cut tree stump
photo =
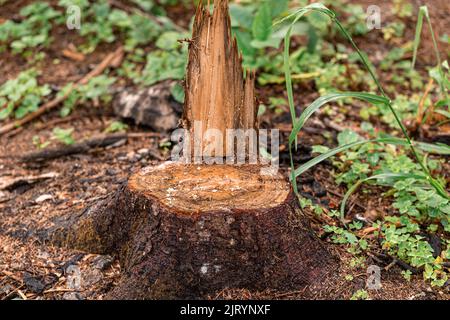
[185, 231]
[188, 230]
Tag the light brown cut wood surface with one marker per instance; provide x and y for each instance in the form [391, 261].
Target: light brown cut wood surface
[191, 189]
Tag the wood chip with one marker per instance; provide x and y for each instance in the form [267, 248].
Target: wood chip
[72, 55]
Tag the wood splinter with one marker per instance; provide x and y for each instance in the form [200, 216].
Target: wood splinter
[186, 231]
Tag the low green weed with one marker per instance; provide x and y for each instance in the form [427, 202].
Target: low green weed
[21, 95]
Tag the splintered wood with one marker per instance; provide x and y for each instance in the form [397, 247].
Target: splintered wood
[218, 94]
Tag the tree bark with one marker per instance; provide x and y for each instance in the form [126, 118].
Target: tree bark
[172, 246]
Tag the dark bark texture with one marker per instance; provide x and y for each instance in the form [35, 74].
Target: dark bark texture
[167, 255]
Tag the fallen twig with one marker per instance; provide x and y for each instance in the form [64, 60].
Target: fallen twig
[420, 111]
[73, 55]
[369, 230]
[59, 290]
[144, 135]
[82, 147]
[110, 60]
[104, 141]
[398, 262]
[11, 183]
[22, 295]
[12, 276]
[13, 292]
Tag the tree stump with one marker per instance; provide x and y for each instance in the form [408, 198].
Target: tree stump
[184, 231]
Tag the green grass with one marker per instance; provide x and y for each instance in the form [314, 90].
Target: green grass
[420, 198]
[371, 98]
[442, 78]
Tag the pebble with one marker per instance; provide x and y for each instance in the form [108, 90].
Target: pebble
[72, 296]
[33, 284]
[143, 151]
[43, 255]
[43, 198]
[103, 262]
[6, 289]
[130, 157]
[111, 172]
[91, 277]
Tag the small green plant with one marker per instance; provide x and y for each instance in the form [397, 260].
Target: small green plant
[63, 135]
[37, 141]
[96, 90]
[168, 62]
[116, 126]
[277, 104]
[340, 235]
[402, 8]
[348, 277]
[33, 31]
[407, 275]
[307, 203]
[21, 95]
[360, 295]
[103, 24]
[393, 30]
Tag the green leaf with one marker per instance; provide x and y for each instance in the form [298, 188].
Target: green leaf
[177, 92]
[422, 11]
[443, 112]
[278, 7]
[116, 126]
[169, 40]
[241, 16]
[318, 20]
[244, 40]
[347, 136]
[5, 112]
[271, 42]
[262, 25]
[320, 149]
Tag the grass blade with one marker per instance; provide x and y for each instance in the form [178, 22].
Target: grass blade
[423, 12]
[419, 26]
[320, 102]
[311, 163]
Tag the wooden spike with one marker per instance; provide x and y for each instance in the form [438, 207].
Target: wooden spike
[217, 93]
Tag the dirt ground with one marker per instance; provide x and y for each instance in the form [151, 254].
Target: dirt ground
[32, 268]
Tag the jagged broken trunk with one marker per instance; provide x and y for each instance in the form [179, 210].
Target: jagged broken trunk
[219, 95]
[185, 231]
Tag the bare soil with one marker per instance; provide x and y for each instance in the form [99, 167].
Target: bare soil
[34, 269]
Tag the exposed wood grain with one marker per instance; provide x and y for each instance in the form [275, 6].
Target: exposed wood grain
[218, 93]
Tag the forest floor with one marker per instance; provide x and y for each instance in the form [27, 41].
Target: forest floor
[31, 268]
